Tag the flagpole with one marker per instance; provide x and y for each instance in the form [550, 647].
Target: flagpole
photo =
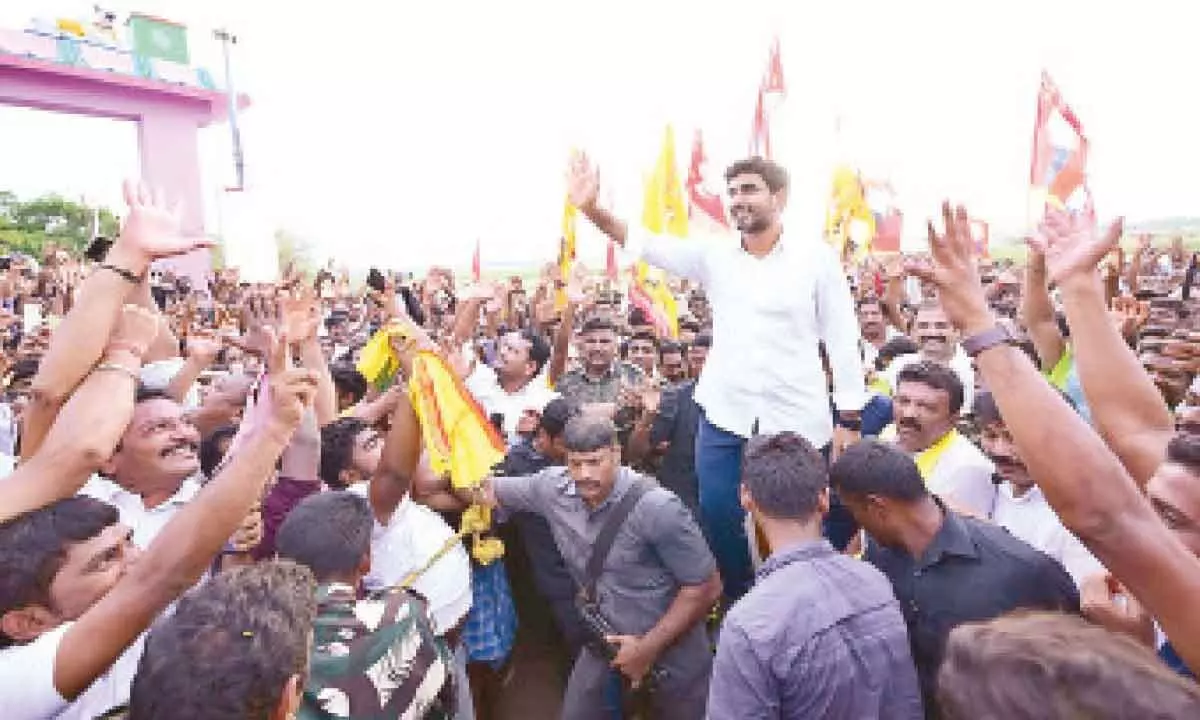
[227, 39]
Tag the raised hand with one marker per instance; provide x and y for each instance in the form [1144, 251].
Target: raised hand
[577, 285]
[299, 316]
[583, 182]
[289, 391]
[953, 268]
[152, 229]
[1072, 245]
[136, 330]
[203, 346]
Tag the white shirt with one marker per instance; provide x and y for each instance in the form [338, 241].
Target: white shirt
[963, 477]
[485, 386]
[145, 522]
[768, 315]
[27, 681]
[1030, 518]
[960, 364]
[413, 536]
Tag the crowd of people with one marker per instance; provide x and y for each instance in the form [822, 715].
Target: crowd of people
[933, 486]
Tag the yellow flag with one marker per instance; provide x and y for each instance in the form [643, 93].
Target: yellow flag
[566, 252]
[663, 211]
[378, 362]
[848, 216]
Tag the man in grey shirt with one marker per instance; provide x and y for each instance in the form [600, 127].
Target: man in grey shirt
[819, 635]
[658, 582]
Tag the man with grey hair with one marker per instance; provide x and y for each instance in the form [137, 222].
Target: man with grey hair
[655, 585]
[820, 634]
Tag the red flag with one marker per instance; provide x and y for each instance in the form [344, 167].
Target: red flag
[699, 196]
[1058, 171]
[476, 268]
[773, 82]
[610, 265]
[772, 86]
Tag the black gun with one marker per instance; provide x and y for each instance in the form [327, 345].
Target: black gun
[599, 630]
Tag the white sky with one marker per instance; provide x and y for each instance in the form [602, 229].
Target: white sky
[398, 132]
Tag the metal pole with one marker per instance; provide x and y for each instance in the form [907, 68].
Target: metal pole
[228, 39]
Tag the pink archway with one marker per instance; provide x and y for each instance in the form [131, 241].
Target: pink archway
[169, 102]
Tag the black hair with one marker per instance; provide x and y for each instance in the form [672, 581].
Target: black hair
[784, 475]
[638, 316]
[893, 349]
[337, 447]
[597, 322]
[347, 380]
[34, 545]
[211, 453]
[229, 648]
[772, 174]
[936, 376]
[1184, 449]
[539, 349]
[670, 347]
[704, 339]
[145, 393]
[873, 467]
[328, 533]
[985, 410]
[555, 416]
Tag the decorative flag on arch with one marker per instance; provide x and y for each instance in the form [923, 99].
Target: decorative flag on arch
[700, 197]
[771, 92]
[476, 264]
[1058, 172]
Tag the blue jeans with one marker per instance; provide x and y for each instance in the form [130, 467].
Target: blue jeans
[719, 473]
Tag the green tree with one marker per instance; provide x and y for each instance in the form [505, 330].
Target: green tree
[27, 226]
[293, 249]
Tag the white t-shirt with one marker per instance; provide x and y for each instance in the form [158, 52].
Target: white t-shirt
[413, 536]
[27, 682]
[963, 477]
[146, 523]
[1030, 518]
[483, 384]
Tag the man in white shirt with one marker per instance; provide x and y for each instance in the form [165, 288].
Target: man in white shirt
[155, 469]
[929, 397]
[76, 593]
[515, 389]
[938, 342]
[1021, 508]
[773, 300]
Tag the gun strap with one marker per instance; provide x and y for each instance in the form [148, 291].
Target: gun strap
[608, 533]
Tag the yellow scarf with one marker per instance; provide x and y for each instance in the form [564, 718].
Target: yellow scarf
[928, 458]
[460, 441]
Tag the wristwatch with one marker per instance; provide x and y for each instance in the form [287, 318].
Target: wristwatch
[988, 339]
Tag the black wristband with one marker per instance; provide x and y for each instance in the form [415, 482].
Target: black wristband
[128, 275]
[849, 422]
